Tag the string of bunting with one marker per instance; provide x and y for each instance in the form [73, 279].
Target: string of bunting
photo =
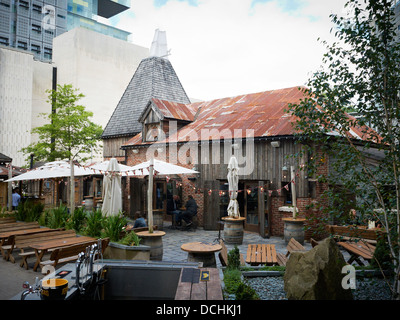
[140, 172]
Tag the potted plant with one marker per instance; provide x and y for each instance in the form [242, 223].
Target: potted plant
[124, 245]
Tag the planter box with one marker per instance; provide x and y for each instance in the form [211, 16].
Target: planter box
[118, 251]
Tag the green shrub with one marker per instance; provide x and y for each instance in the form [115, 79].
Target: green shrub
[245, 292]
[113, 226]
[94, 223]
[234, 258]
[29, 211]
[381, 258]
[77, 221]
[57, 217]
[232, 280]
[130, 239]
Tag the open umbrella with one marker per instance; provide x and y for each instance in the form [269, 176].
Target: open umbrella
[104, 165]
[112, 202]
[161, 168]
[55, 169]
[233, 182]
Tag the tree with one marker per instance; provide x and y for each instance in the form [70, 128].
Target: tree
[360, 71]
[68, 133]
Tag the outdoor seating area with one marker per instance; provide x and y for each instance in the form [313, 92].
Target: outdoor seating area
[29, 239]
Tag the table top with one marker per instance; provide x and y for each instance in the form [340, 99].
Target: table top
[7, 234]
[201, 247]
[240, 219]
[51, 244]
[156, 233]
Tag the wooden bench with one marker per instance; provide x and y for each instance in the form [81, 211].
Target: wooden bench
[357, 250]
[292, 246]
[191, 287]
[70, 253]
[4, 220]
[261, 254]
[18, 226]
[345, 233]
[22, 242]
[223, 255]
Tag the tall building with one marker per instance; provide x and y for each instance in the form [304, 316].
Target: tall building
[31, 25]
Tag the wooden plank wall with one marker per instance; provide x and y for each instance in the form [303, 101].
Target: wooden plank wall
[112, 147]
[267, 163]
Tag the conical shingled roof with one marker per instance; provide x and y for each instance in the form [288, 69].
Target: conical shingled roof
[154, 78]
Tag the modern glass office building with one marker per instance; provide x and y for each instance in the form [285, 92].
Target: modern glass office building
[31, 25]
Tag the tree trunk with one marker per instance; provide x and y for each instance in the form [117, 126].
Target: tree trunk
[72, 195]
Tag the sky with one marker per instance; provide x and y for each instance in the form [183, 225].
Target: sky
[225, 48]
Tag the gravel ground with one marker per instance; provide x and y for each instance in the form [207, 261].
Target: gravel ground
[271, 288]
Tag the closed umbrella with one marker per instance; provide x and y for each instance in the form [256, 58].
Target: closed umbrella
[112, 202]
[233, 184]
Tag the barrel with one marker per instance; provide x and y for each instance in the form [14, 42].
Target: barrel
[208, 259]
[158, 219]
[156, 246]
[233, 232]
[293, 229]
[88, 203]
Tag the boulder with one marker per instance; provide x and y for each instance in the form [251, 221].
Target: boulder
[316, 274]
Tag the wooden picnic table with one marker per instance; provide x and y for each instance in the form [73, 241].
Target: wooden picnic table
[17, 226]
[7, 235]
[358, 249]
[41, 248]
[202, 252]
[261, 254]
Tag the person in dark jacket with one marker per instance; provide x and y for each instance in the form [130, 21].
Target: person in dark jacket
[173, 206]
[191, 210]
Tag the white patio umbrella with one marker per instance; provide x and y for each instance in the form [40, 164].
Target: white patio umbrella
[161, 168]
[104, 165]
[55, 169]
[233, 182]
[112, 201]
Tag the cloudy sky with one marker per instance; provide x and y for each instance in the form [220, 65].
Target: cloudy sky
[224, 48]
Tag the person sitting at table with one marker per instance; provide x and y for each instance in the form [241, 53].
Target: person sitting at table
[172, 207]
[191, 210]
[140, 222]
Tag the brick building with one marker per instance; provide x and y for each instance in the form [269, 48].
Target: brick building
[155, 119]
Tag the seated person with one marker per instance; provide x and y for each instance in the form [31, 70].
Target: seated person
[172, 207]
[191, 210]
[140, 222]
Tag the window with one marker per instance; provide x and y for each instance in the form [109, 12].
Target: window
[35, 48]
[287, 193]
[4, 41]
[152, 132]
[22, 45]
[36, 28]
[37, 8]
[24, 4]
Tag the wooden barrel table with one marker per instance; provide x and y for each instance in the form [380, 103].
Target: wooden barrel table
[293, 228]
[233, 230]
[154, 241]
[202, 252]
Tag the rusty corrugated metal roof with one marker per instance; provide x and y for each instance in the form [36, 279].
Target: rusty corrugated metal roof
[175, 110]
[262, 112]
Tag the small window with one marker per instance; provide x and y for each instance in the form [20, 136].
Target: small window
[35, 48]
[22, 45]
[36, 28]
[287, 193]
[37, 8]
[4, 41]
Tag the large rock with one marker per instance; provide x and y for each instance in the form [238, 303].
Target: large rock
[316, 274]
